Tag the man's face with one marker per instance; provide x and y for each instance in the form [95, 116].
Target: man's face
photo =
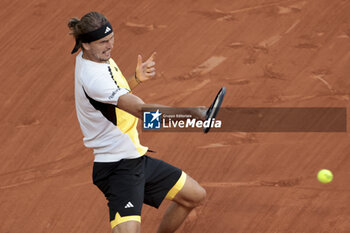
[100, 50]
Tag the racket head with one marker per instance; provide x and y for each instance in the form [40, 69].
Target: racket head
[214, 108]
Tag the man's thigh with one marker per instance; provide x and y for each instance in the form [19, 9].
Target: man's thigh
[123, 185]
[161, 178]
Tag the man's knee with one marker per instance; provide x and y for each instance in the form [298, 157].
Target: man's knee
[127, 227]
[191, 195]
[200, 195]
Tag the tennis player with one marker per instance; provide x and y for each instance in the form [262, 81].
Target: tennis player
[107, 112]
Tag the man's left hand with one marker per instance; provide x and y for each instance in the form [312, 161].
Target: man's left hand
[145, 70]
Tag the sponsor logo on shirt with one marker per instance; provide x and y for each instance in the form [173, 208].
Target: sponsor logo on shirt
[113, 94]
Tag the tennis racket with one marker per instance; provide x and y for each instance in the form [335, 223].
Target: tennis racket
[214, 108]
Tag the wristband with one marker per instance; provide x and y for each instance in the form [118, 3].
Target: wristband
[137, 79]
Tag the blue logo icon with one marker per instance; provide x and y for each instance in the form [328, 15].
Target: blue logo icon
[151, 120]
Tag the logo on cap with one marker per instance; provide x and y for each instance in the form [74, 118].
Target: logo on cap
[107, 29]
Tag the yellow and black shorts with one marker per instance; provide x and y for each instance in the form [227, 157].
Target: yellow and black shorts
[129, 183]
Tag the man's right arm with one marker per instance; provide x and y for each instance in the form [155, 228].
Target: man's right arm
[134, 105]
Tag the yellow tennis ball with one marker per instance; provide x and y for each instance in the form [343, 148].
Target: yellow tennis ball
[325, 176]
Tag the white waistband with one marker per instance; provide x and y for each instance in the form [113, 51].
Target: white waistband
[106, 158]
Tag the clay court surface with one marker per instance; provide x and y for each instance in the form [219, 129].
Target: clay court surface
[267, 53]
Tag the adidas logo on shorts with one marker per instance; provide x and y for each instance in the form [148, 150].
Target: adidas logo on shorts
[129, 205]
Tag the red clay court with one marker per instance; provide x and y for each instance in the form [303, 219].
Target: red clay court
[291, 53]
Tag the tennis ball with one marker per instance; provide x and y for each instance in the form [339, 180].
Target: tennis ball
[325, 176]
